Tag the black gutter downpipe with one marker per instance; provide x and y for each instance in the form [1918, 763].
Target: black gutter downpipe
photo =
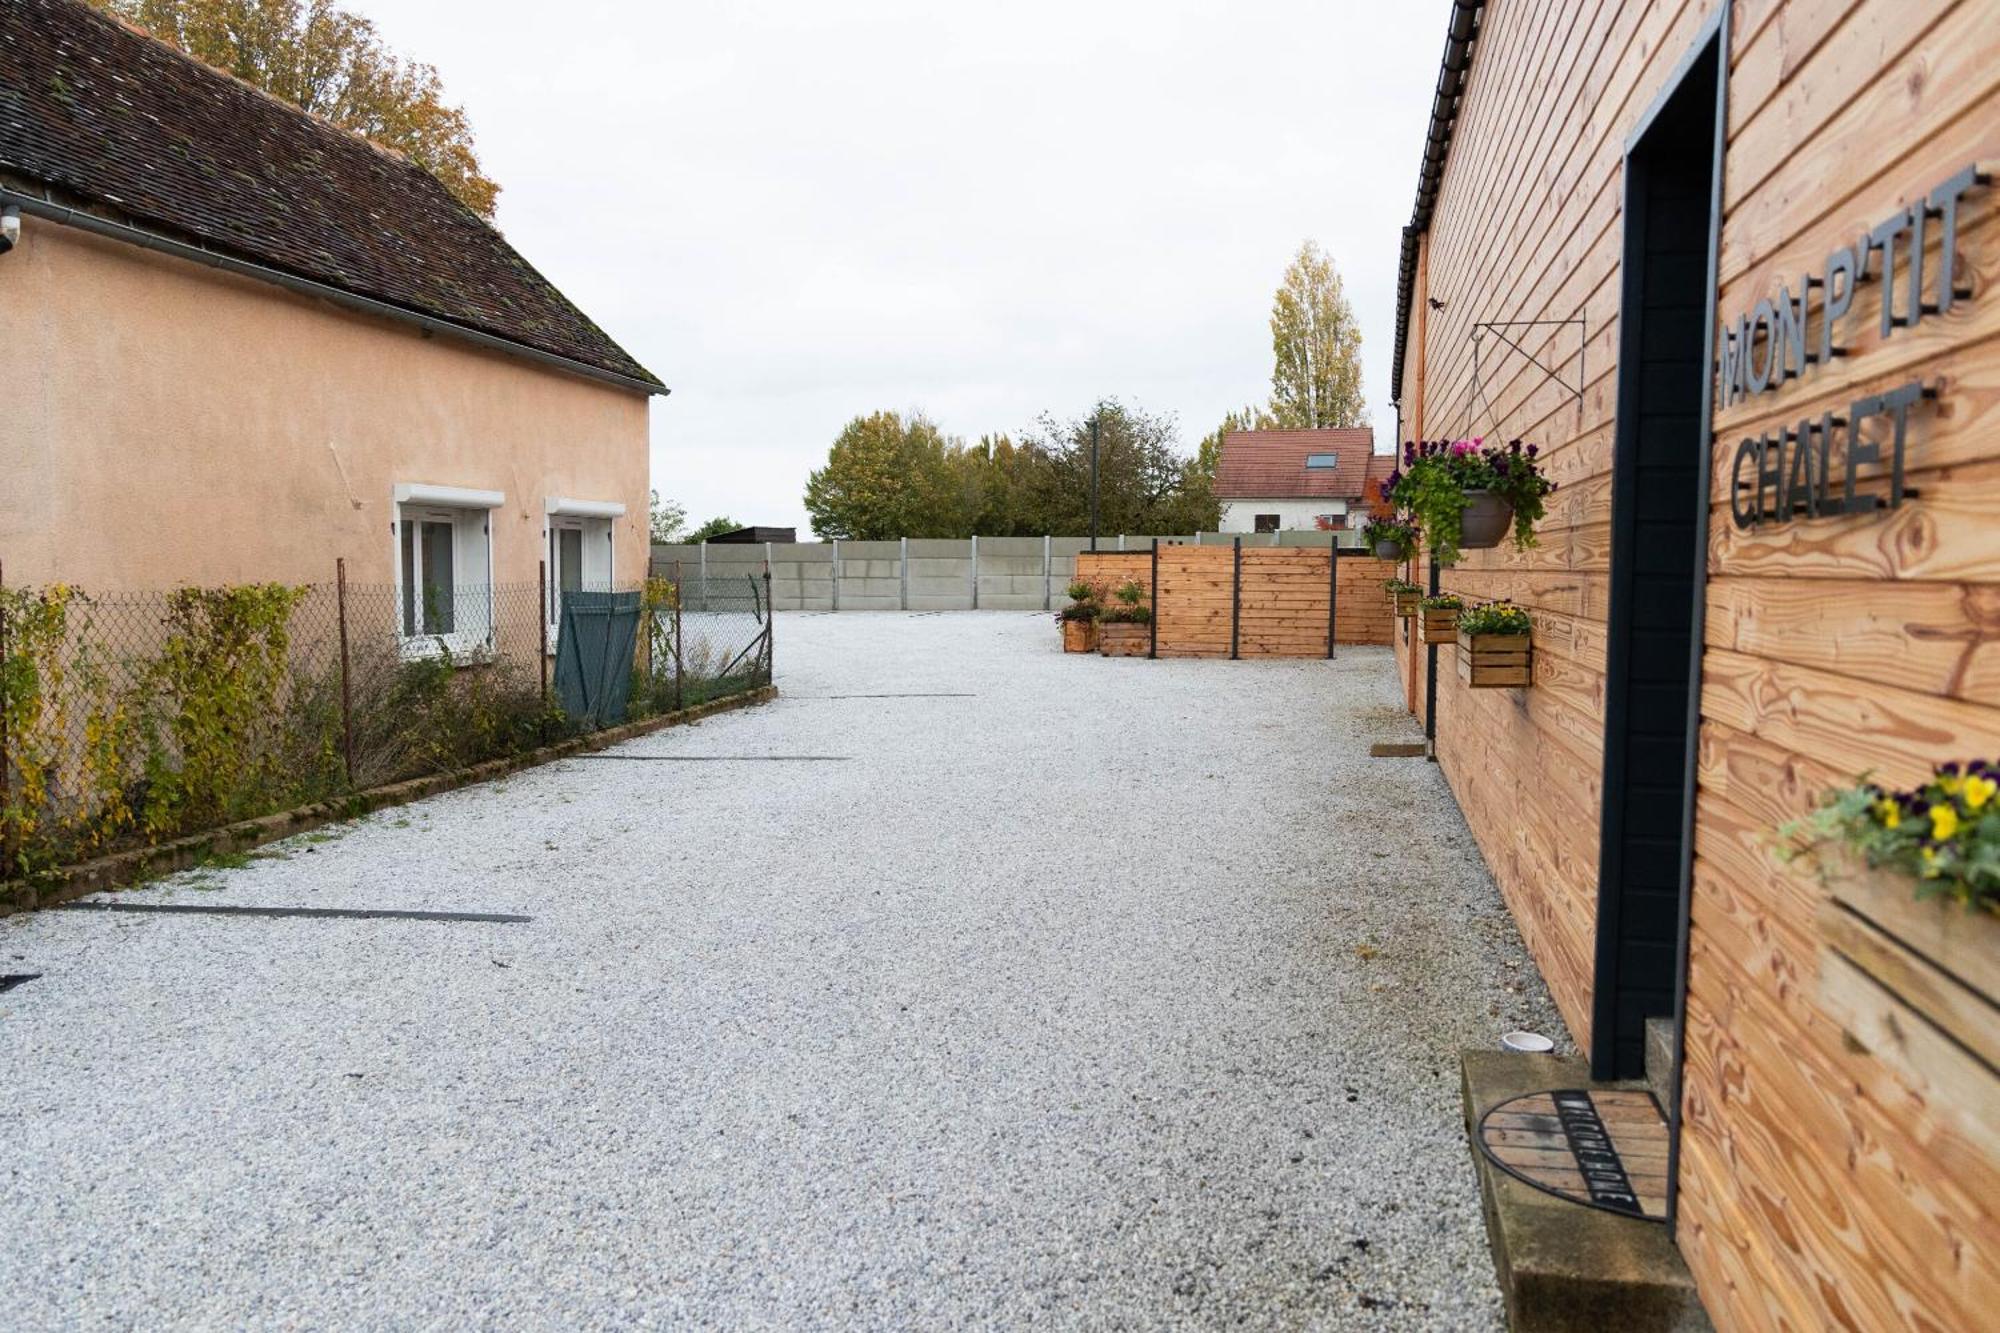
[1431, 680]
[119, 231]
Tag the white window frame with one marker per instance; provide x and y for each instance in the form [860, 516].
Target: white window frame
[467, 510]
[591, 517]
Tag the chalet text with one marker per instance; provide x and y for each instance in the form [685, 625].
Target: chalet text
[1790, 473]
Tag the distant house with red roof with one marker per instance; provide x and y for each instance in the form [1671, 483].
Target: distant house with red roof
[1278, 480]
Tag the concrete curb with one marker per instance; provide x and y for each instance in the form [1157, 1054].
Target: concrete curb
[143, 863]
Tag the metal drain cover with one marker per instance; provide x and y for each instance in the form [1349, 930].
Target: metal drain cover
[1604, 1148]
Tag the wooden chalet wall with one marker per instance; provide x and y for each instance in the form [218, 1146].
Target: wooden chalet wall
[1819, 1189]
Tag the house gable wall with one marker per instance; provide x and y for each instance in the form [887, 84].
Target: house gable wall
[171, 424]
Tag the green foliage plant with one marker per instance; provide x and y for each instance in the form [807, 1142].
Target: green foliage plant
[1399, 531]
[1494, 618]
[1437, 477]
[1449, 601]
[1943, 834]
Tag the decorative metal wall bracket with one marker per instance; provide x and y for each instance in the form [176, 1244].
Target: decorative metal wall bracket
[1499, 328]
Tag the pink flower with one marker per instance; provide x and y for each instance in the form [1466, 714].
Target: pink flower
[1463, 447]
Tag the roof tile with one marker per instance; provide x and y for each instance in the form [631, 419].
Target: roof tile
[113, 117]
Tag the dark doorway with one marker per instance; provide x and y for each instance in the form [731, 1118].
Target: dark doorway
[1658, 504]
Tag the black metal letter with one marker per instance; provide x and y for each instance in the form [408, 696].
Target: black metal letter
[1839, 297]
[1860, 450]
[1764, 317]
[1945, 200]
[1897, 403]
[1790, 360]
[1745, 518]
[1884, 238]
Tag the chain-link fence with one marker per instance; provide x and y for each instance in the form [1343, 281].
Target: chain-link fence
[131, 718]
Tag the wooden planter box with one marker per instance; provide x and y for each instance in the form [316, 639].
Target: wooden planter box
[1079, 636]
[1916, 986]
[1437, 625]
[1496, 661]
[1406, 602]
[1120, 638]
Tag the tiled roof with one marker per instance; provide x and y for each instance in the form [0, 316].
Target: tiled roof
[114, 119]
[1379, 468]
[1257, 464]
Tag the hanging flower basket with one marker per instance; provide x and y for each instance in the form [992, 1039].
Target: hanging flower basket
[1484, 521]
[1392, 539]
[1495, 647]
[1437, 619]
[1465, 496]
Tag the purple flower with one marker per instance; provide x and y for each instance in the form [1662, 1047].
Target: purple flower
[1533, 450]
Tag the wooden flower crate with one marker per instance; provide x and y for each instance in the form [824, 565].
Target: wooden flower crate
[1496, 661]
[1437, 624]
[1079, 636]
[1123, 638]
[1915, 986]
[1406, 602]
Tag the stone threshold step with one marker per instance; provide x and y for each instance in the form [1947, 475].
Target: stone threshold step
[1562, 1265]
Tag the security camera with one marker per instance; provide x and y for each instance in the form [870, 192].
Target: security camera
[10, 229]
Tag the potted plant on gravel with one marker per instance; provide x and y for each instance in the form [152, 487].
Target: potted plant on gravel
[1079, 618]
[1495, 646]
[1125, 628]
[1465, 496]
[1404, 594]
[1437, 618]
[1392, 539]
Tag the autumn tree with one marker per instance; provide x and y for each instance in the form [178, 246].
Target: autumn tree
[320, 57]
[1145, 484]
[887, 477]
[1316, 346]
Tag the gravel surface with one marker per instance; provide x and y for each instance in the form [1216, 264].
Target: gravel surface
[1119, 993]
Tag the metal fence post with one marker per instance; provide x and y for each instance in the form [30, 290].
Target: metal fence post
[346, 687]
[903, 572]
[542, 609]
[679, 697]
[1235, 598]
[975, 571]
[770, 625]
[704, 575]
[1048, 573]
[1153, 603]
[836, 573]
[1332, 594]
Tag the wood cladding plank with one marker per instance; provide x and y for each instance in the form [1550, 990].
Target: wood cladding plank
[1934, 638]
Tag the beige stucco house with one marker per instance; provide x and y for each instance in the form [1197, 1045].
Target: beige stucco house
[242, 343]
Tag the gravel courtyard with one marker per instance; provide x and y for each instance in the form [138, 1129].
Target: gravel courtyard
[966, 985]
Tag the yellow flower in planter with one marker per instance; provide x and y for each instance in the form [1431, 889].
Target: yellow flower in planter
[1978, 791]
[1930, 870]
[1887, 813]
[1944, 821]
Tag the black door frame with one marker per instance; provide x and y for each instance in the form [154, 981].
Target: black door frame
[1711, 44]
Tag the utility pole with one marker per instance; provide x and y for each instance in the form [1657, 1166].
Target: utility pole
[1093, 482]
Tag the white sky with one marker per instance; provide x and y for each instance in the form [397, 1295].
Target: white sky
[797, 212]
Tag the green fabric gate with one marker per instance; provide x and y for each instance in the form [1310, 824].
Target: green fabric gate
[594, 655]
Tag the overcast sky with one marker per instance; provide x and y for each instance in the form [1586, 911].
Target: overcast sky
[797, 212]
